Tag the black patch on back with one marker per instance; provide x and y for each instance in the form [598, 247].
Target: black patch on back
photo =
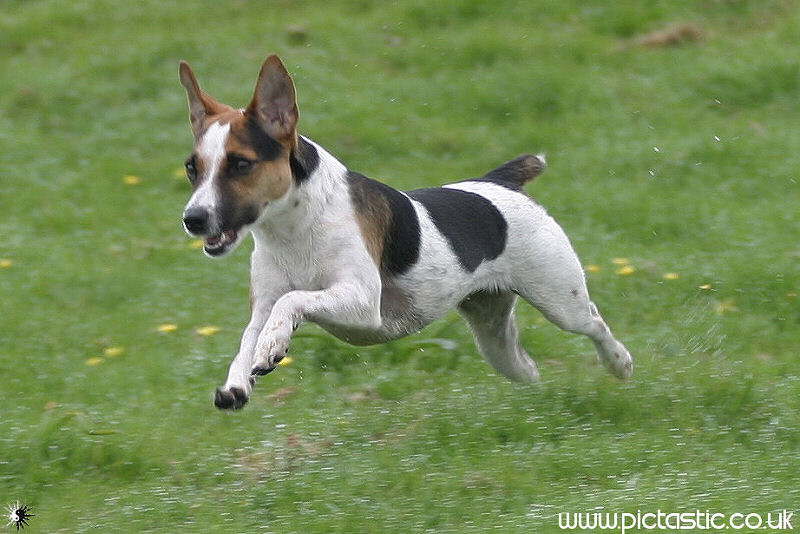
[475, 228]
[402, 238]
[267, 148]
[303, 160]
[515, 173]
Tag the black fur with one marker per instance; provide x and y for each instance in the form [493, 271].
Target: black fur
[234, 399]
[402, 239]
[515, 173]
[475, 229]
[232, 215]
[303, 160]
[267, 148]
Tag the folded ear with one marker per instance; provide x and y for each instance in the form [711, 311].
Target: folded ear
[201, 104]
[274, 104]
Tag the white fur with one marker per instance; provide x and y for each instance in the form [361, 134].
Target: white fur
[211, 149]
[544, 270]
[310, 264]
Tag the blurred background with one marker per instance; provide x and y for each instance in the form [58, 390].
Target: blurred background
[671, 130]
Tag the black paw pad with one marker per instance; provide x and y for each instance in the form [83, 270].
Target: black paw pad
[261, 371]
[230, 399]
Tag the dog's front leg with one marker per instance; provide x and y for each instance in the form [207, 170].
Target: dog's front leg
[267, 286]
[234, 394]
[354, 304]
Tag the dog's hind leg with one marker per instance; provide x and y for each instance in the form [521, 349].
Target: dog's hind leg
[491, 317]
[556, 286]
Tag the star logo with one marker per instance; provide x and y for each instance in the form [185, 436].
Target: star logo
[18, 515]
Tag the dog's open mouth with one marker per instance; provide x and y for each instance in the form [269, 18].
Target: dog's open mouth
[217, 244]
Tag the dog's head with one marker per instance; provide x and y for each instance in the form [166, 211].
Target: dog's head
[242, 158]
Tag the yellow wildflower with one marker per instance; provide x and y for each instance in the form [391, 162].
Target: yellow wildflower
[671, 276]
[131, 180]
[94, 361]
[626, 270]
[113, 351]
[704, 286]
[207, 330]
[6, 263]
[592, 268]
[168, 327]
[620, 261]
[287, 360]
[196, 244]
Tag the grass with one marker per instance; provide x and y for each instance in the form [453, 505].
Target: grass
[679, 158]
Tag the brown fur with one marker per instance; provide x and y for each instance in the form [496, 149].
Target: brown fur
[373, 216]
[269, 180]
[201, 104]
[274, 102]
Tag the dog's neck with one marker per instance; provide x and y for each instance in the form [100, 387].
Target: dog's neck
[320, 191]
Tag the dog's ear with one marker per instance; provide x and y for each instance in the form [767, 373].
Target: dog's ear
[201, 104]
[274, 103]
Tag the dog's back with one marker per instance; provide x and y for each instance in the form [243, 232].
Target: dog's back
[435, 246]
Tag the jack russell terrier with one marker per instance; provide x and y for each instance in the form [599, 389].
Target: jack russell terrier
[364, 261]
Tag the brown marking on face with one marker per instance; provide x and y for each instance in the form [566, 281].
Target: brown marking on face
[225, 117]
[269, 179]
[373, 216]
[264, 135]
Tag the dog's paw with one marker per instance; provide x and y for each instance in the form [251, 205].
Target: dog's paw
[259, 370]
[618, 361]
[271, 349]
[230, 398]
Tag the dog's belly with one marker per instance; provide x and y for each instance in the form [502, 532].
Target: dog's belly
[408, 305]
[362, 336]
[399, 318]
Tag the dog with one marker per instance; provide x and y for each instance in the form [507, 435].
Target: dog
[364, 261]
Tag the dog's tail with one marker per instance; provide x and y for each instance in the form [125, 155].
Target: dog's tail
[517, 172]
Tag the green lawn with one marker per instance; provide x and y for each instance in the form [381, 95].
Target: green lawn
[681, 159]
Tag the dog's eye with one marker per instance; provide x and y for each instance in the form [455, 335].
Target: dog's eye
[191, 170]
[240, 165]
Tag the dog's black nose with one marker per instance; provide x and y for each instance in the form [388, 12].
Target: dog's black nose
[196, 220]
